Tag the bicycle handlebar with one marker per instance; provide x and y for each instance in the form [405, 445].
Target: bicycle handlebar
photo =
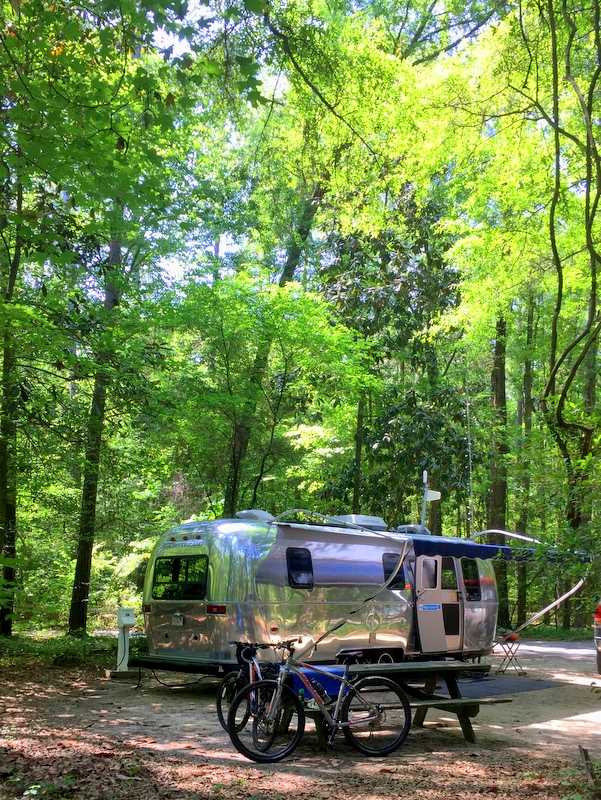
[242, 648]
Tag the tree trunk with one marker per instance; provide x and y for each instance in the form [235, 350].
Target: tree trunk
[522, 523]
[8, 436]
[435, 519]
[498, 488]
[87, 518]
[78, 615]
[8, 488]
[238, 449]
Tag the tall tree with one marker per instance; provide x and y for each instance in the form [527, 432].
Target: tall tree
[78, 92]
[525, 417]
[87, 518]
[536, 138]
[223, 327]
[242, 425]
[498, 485]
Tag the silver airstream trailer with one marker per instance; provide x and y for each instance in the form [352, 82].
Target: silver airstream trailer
[379, 595]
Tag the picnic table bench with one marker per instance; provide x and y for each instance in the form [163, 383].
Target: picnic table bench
[420, 679]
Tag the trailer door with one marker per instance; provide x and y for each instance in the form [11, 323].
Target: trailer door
[439, 617]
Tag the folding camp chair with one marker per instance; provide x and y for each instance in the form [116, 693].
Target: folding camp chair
[509, 644]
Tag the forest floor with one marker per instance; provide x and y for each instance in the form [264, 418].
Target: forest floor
[68, 732]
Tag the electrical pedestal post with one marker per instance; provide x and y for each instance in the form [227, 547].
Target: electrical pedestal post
[125, 621]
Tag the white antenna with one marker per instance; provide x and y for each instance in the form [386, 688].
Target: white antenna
[429, 495]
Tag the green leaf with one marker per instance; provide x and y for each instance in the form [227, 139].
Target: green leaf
[255, 6]
[122, 127]
[154, 157]
[165, 121]
[255, 98]
[247, 66]
[71, 30]
[212, 67]
[106, 35]
[249, 83]
[143, 81]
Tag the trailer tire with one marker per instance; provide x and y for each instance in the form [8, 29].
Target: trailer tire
[385, 658]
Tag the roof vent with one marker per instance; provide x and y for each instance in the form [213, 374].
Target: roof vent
[255, 513]
[417, 529]
[363, 521]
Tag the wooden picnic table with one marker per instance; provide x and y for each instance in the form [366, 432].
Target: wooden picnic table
[420, 680]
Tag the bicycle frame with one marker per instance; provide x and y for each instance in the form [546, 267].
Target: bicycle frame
[250, 666]
[294, 666]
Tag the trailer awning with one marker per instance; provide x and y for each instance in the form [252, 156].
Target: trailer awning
[460, 548]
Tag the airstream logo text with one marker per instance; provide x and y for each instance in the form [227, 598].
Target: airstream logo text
[430, 607]
[192, 543]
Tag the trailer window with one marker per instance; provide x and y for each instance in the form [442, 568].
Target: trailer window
[180, 578]
[448, 578]
[471, 579]
[300, 568]
[390, 562]
[429, 573]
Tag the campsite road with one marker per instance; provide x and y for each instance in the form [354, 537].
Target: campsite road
[90, 738]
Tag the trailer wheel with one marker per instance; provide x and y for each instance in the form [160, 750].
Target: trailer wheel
[385, 658]
[352, 657]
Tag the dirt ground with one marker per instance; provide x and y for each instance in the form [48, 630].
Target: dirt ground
[71, 733]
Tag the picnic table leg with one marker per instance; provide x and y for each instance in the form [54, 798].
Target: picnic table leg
[466, 726]
[462, 713]
[320, 728]
[420, 713]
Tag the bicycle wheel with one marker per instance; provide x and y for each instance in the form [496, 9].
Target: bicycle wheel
[226, 691]
[261, 732]
[378, 716]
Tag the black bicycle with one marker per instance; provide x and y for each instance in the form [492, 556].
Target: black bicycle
[250, 670]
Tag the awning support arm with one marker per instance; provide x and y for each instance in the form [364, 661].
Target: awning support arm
[552, 605]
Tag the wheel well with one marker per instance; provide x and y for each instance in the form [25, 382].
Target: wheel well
[369, 655]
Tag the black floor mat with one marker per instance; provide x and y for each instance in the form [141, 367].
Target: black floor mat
[491, 685]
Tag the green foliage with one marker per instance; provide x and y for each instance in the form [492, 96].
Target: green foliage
[55, 791]
[20, 650]
[550, 633]
[227, 330]
[414, 196]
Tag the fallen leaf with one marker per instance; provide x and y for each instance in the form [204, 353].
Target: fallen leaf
[145, 740]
